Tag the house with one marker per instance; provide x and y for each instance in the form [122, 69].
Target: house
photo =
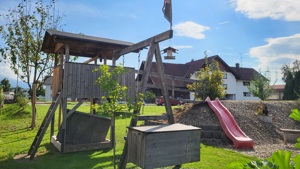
[236, 79]
[48, 88]
[277, 93]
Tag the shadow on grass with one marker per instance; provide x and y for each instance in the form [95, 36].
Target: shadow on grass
[52, 158]
[15, 112]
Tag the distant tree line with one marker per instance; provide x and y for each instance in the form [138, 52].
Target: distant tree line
[291, 77]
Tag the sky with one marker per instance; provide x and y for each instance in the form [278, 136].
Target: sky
[263, 35]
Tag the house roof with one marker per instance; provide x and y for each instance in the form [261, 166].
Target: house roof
[82, 45]
[189, 68]
[278, 87]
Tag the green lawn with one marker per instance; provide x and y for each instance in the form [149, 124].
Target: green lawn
[16, 138]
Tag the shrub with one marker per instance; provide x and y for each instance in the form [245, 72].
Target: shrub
[22, 102]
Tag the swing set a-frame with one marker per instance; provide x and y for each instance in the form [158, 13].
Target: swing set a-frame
[75, 81]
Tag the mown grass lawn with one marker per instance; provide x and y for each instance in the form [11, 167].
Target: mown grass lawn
[16, 138]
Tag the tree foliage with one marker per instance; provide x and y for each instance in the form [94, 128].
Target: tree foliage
[23, 36]
[5, 85]
[211, 78]
[260, 87]
[291, 77]
[114, 92]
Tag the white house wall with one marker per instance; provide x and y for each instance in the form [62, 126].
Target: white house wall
[48, 93]
[240, 91]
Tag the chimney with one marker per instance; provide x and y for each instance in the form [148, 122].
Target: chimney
[237, 68]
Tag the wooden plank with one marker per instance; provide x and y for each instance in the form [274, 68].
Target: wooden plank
[91, 146]
[92, 59]
[171, 77]
[74, 108]
[56, 144]
[152, 118]
[175, 88]
[58, 46]
[165, 92]
[138, 46]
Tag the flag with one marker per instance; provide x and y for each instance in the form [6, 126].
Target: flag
[167, 10]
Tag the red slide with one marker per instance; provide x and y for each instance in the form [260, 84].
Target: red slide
[229, 125]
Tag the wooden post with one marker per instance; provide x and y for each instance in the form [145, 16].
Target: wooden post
[165, 92]
[60, 87]
[1, 100]
[33, 101]
[64, 103]
[173, 89]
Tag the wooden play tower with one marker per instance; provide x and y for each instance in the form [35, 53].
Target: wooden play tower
[76, 82]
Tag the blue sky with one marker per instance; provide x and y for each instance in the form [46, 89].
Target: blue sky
[258, 34]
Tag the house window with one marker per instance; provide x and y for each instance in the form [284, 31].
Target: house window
[247, 94]
[225, 76]
[246, 83]
[225, 86]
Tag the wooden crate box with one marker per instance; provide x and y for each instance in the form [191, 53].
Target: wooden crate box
[163, 145]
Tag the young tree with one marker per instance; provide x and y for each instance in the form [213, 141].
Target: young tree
[23, 36]
[5, 84]
[260, 87]
[211, 78]
[114, 92]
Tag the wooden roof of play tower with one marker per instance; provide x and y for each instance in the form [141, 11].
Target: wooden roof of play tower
[82, 45]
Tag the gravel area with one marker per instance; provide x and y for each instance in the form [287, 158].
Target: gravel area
[266, 136]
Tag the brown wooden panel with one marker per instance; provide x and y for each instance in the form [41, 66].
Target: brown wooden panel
[81, 81]
[55, 80]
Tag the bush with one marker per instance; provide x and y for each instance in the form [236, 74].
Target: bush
[22, 101]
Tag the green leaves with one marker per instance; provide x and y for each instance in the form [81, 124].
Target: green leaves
[295, 115]
[211, 78]
[114, 92]
[282, 159]
[260, 87]
[279, 160]
[260, 165]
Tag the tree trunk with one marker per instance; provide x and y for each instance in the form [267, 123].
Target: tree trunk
[33, 101]
[1, 100]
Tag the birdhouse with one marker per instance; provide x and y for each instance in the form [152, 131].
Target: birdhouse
[169, 50]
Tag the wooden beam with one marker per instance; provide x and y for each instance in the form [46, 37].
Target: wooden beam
[160, 69]
[175, 89]
[74, 108]
[171, 77]
[58, 46]
[163, 117]
[92, 59]
[138, 46]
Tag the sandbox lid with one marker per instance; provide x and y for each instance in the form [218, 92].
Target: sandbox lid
[165, 128]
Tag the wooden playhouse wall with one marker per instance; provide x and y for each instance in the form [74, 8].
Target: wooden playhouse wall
[80, 80]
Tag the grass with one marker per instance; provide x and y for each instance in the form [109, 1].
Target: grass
[16, 138]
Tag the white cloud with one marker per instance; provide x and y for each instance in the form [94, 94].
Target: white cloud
[190, 29]
[6, 71]
[276, 9]
[222, 23]
[277, 52]
[182, 47]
